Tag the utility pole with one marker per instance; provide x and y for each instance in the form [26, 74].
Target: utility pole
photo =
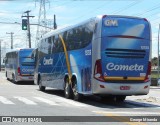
[55, 25]
[28, 26]
[11, 33]
[158, 53]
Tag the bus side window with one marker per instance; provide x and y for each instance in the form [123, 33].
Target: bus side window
[95, 28]
[70, 42]
[52, 44]
[49, 45]
[87, 33]
[55, 44]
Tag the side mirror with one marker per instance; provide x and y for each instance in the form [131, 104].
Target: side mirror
[32, 56]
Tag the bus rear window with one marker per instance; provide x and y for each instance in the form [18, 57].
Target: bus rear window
[27, 61]
[127, 27]
[25, 53]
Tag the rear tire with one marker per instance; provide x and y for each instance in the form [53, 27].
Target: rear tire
[76, 96]
[67, 90]
[41, 88]
[120, 98]
[6, 76]
[13, 78]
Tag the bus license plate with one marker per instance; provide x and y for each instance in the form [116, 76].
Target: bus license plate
[30, 77]
[125, 87]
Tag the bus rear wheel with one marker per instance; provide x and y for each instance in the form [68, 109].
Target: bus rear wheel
[7, 76]
[120, 98]
[13, 78]
[41, 88]
[67, 90]
[76, 96]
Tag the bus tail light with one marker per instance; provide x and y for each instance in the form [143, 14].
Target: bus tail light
[98, 71]
[19, 71]
[146, 87]
[104, 16]
[148, 72]
[145, 19]
[102, 86]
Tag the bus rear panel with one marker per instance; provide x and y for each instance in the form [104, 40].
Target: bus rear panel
[26, 65]
[124, 67]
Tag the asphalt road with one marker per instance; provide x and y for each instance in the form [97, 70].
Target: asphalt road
[25, 99]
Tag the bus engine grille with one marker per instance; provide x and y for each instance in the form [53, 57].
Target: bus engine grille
[125, 53]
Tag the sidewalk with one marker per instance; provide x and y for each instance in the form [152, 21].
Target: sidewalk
[153, 97]
[154, 87]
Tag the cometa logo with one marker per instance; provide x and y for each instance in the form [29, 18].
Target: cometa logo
[136, 67]
[47, 61]
[27, 70]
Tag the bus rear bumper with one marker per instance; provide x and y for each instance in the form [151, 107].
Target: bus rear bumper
[121, 88]
[25, 78]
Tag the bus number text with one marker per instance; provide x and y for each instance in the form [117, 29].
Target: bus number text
[88, 52]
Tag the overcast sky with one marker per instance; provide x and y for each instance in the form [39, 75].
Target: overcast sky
[71, 12]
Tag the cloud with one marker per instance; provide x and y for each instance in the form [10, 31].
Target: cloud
[4, 2]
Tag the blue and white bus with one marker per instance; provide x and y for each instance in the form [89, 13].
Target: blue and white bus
[19, 65]
[105, 55]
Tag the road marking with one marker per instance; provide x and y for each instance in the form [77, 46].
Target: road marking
[45, 100]
[121, 118]
[131, 113]
[25, 100]
[71, 102]
[5, 101]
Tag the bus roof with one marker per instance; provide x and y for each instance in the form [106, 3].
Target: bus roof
[67, 27]
[18, 49]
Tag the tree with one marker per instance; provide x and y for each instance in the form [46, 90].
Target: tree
[154, 61]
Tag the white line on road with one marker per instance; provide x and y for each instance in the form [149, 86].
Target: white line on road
[25, 100]
[129, 112]
[45, 100]
[5, 101]
[71, 102]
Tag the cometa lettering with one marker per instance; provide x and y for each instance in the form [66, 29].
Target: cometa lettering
[136, 67]
[27, 70]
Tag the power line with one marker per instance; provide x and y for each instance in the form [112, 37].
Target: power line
[126, 7]
[149, 10]
[9, 23]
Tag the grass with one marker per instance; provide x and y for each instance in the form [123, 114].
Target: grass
[154, 75]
